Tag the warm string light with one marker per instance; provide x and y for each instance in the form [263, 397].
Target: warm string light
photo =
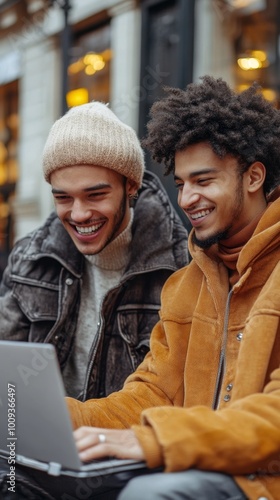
[254, 59]
[90, 63]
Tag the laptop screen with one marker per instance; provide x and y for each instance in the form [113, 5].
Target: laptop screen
[34, 418]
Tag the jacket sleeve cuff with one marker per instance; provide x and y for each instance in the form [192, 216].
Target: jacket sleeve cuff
[149, 444]
[76, 415]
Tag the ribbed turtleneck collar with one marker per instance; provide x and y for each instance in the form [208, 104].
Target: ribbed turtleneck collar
[229, 251]
[116, 254]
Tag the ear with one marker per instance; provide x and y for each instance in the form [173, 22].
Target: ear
[255, 176]
[131, 188]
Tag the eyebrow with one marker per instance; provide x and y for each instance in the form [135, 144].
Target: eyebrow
[197, 173]
[97, 187]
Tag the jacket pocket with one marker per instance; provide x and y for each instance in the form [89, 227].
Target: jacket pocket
[135, 324]
[38, 303]
[128, 341]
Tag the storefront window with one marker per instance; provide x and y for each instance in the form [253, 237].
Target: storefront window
[89, 69]
[256, 47]
[8, 165]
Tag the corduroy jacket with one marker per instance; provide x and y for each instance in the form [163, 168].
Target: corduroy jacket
[207, 395]
[41, 287]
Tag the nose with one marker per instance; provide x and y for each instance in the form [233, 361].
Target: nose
[187, 196]
[80, 211]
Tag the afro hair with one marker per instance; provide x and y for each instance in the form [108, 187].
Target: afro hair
[244, 125]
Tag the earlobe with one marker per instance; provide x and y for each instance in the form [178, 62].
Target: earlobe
[131, 189]
[133, 196]
[256, 176]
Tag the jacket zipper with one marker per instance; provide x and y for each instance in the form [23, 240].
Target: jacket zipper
[222, 361]
[92, 355]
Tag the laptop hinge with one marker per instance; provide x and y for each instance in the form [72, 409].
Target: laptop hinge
[54, 469]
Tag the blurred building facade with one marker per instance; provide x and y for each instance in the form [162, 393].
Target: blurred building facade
[55, 54]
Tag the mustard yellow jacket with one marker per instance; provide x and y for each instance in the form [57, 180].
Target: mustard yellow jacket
[207, 395]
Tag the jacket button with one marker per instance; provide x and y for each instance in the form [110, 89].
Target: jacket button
[226, 398]
[69, 281]
[229, 387]
[262, 498]
[239, 336]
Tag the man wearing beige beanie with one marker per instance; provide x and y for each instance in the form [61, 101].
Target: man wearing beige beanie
[89, 279]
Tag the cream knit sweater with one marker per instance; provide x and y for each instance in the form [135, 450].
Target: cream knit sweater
[103, 272]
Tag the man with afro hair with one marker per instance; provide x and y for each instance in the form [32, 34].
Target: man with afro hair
[203, 407]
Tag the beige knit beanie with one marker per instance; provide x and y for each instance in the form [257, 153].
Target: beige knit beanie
[91, 134]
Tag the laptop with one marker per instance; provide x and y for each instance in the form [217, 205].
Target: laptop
[35, 425]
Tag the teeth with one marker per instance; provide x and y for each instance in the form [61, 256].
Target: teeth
[88, 230]
[200, 214]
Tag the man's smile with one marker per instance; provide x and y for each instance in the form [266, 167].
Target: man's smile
[87, 230]
[200, 214]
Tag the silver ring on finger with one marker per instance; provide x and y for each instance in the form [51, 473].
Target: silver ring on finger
[102, 438]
